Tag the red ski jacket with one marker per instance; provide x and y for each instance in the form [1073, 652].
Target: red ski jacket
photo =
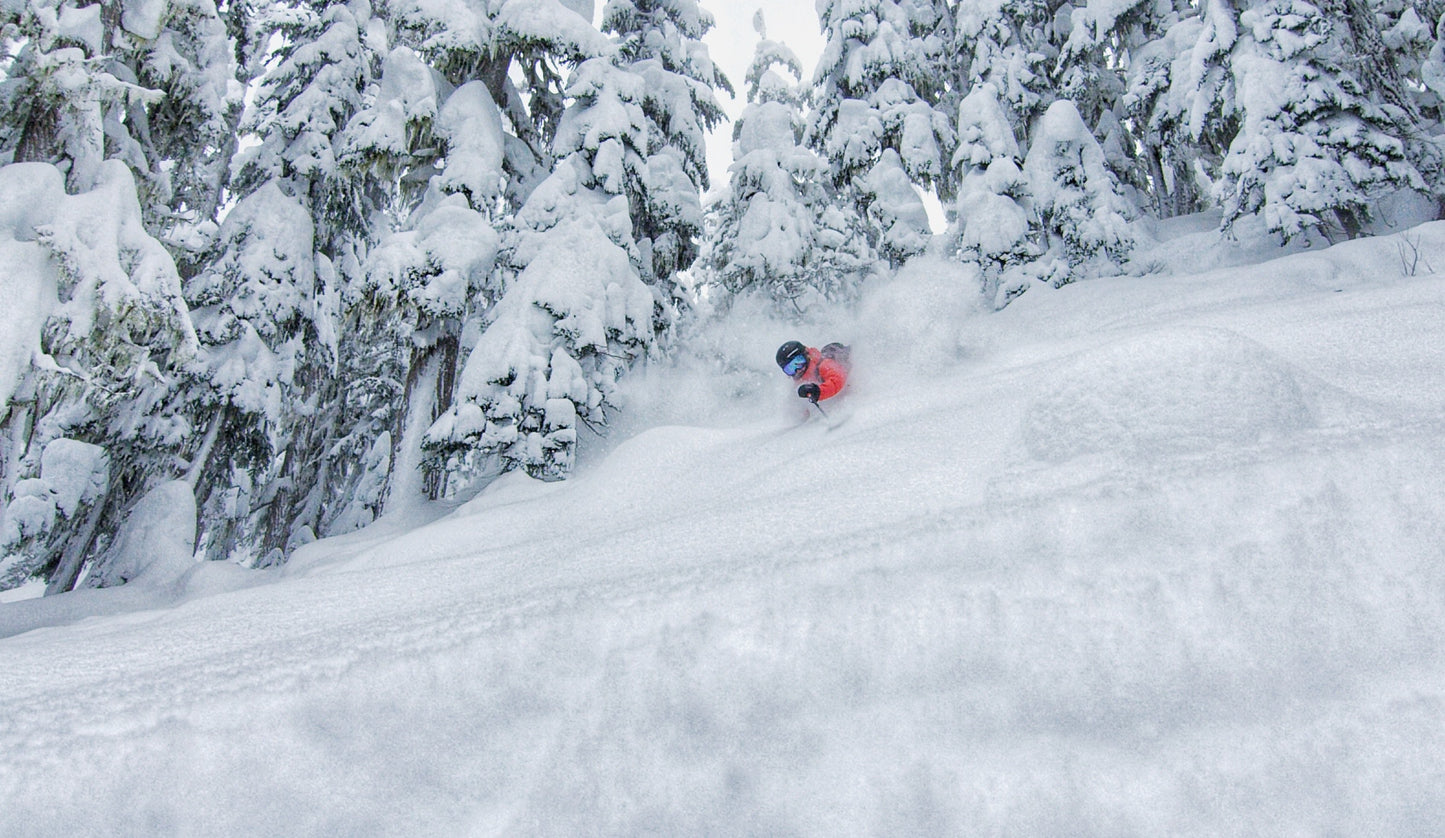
[829, 375]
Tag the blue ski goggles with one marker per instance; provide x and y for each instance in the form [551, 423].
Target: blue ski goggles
[795, 365]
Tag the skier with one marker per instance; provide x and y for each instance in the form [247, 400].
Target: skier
[821, 373]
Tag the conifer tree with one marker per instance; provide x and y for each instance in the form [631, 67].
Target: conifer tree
[1098, 50]
[1007, 44]
[153, 84]
[661, 42]
[1078, 201]
[91, 419]
[774, 221]
[135, 105]
[493, 144]
[391, 132]
[274, 383]
[877, 88]
[575, 312]
[995, 206]
[1177, 100]
[1313, 147]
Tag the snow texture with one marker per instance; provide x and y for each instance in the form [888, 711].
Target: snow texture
[144, 18]
[71, 473]
[156, 544]
[472, 126]
[111, 268]
[1143, 555]
[27, 283]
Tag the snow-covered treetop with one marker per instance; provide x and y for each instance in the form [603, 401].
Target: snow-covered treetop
[466, 31]
[764, 81]
[610, 129]
[984, 132]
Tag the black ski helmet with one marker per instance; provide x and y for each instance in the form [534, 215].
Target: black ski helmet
[789, 351]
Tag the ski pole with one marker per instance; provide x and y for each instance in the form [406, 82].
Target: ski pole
[820, 408]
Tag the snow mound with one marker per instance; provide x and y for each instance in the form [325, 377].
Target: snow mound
[157, 543]
[1169, 392]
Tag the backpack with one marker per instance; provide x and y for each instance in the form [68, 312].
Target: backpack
[837, 352]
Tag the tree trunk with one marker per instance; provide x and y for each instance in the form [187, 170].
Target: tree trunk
[38, 138]
[1350, 222]
[76, 548]
[1373, 59]
[429, 387]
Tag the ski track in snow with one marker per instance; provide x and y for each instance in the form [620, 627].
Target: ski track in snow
[1150, 556]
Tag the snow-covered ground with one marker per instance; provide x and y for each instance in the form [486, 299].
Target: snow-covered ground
[1157, 555]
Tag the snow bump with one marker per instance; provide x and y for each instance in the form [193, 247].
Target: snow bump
[1166, 393]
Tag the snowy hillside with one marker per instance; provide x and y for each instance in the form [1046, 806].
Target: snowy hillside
[1153, 555]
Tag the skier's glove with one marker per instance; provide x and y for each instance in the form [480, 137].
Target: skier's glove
[809, 392]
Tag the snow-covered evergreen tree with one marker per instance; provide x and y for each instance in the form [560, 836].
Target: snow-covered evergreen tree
[575, 311]
[994, 208]
[588, 264]
[1077, 198]
[1178, 100]
[150, 82]
[1312, 147]
[384, 124]
[325, 59]
[1419, 47]
[416, 300]
[292, 409]
[97, 334]
[878, 86]
[151, 85]
[57, 89]
[1419, 55]
[661, 42]
[1092, 69]
[437, 274]
[253, 306]
[894, 210]
[774, 220]
[1009, 44]
[437, 267]
[182, 47]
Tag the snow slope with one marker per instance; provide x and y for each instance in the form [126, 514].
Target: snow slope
[1142, 556]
